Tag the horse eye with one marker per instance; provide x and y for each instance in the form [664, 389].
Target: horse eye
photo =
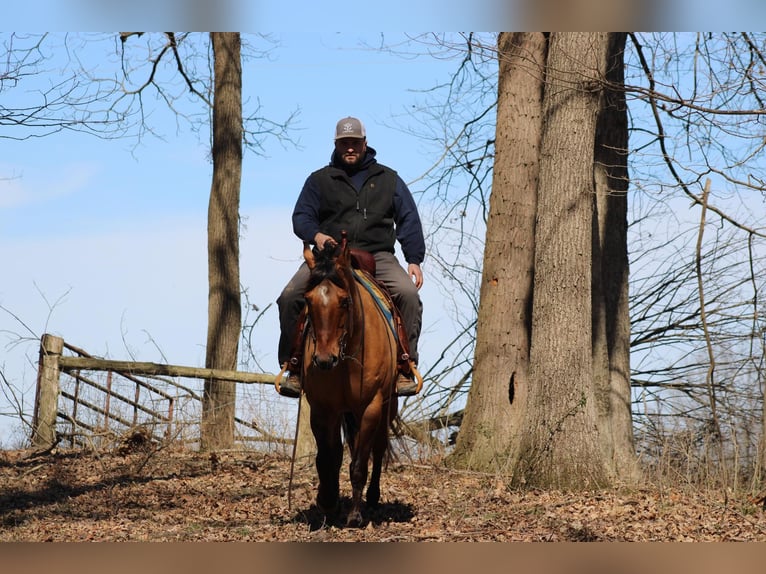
[346, 302]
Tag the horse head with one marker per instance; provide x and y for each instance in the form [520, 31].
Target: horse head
[329, 299]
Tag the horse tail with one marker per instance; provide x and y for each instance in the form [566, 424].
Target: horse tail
[350, 428]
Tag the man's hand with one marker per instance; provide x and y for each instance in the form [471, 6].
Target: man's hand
[417, 275]
[320, 239]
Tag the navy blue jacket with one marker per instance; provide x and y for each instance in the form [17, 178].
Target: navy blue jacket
[371, 203]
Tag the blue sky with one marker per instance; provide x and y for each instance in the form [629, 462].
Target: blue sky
[105, 242]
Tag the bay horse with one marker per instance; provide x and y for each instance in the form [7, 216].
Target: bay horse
[349, 374]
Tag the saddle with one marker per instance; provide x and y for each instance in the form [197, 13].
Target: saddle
[363, 260]
[364, 263]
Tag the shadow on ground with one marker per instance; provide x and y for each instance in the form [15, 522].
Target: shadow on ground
[385, 512]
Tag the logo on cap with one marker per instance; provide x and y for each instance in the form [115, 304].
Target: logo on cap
[349, 128]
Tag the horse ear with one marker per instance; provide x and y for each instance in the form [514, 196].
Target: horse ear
[308, 255]
[344, 252]
[344, 248]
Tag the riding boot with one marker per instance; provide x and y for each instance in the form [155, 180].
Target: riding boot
[406, 385]
[292, 386]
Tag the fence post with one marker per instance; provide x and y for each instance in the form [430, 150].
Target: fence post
[46, 399]
[305, 445]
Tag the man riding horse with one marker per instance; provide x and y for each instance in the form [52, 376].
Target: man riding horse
[368, 200]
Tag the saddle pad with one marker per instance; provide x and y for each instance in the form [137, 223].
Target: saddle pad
[380, 298]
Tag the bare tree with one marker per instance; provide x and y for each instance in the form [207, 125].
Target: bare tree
[611, 312]
[544, 271]
[695, 303]
[65, 100]
[454, 201]
[694, 111]
[497, 397]
[560, 443]
[224, 307]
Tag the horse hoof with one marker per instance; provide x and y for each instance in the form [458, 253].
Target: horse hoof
[330, 510]
[354, 519]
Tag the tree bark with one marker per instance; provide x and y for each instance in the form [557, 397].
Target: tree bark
[611, 315]
[561, 445]
[224, 307]
[497, 398]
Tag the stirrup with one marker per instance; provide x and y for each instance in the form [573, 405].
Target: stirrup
[292, 386]
[406, 386]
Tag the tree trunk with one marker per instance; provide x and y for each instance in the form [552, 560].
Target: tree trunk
[561, 446]
[224, 308]
[497, 396]
[611, 316]
[549, 402]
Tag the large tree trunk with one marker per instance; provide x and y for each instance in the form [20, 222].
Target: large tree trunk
[224, 308]
[550, 398]
[561, 445]
[497, 397]
[611, 315]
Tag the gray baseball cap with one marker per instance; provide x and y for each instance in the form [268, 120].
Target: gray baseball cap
[350, 128]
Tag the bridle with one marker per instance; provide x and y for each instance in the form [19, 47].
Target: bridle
[349, 325]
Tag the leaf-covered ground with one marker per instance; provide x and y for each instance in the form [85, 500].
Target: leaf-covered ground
[148, 495]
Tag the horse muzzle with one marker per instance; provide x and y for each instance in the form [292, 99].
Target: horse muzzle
[325, 361]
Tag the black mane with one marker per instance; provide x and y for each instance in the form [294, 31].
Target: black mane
[324, 267]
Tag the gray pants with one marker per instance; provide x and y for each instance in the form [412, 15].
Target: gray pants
[388, 271]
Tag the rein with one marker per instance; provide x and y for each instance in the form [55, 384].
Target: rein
[351, 324]
[356, 301]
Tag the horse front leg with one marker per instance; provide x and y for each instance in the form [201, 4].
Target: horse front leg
[328, 462]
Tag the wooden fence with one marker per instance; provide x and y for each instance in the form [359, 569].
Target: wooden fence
[103, 399]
